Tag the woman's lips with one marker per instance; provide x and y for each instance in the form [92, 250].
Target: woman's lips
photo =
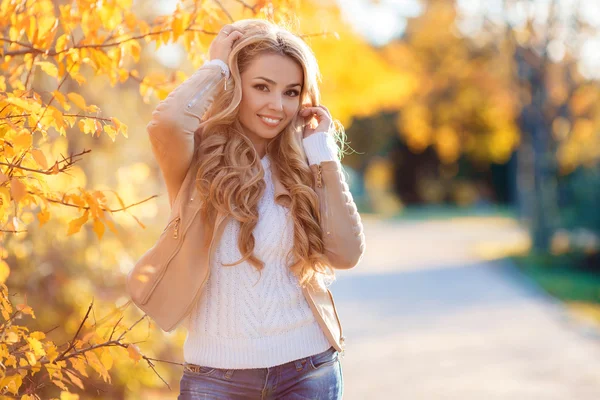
[270, 122]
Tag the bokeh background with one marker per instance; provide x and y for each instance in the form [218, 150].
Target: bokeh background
[474, 129]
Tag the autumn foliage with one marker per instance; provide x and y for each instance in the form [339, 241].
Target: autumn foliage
[50, 52]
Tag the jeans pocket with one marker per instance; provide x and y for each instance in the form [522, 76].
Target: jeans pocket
[328, 357]
[198, 370]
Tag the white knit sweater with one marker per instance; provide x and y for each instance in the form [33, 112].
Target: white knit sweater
[244, 320]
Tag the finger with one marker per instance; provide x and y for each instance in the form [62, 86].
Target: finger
[319, 113]
[325, 109]
[311, 110]
[233, 36]
[226, 31]
[227, 28]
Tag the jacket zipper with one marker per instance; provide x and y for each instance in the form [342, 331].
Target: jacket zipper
[175, 222]
[325, 213]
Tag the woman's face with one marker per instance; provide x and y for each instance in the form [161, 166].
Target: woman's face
[271, 87]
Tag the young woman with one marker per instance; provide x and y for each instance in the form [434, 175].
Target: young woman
[263, 154]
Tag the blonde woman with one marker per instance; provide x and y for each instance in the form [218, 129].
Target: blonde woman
[263, 152]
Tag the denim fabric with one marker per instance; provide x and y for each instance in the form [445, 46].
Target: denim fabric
[318, 377]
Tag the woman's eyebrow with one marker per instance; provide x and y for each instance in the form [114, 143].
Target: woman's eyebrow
[272, 82]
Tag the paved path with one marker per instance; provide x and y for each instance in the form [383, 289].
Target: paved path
[428, 314]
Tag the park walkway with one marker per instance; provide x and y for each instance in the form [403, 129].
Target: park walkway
[430, 314]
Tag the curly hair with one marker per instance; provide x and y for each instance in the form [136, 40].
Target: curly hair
[230, 175]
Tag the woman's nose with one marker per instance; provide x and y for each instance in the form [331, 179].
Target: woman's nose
[276, 103]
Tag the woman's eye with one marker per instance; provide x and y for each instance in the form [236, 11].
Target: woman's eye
[259, 87]
[294, 93]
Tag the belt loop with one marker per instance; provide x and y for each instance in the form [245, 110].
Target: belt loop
[229, 374]
[299, 365]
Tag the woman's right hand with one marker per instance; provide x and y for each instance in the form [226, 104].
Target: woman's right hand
[223, 42]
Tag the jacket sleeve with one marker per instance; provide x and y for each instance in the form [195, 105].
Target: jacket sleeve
[342, 227]
[176, 119]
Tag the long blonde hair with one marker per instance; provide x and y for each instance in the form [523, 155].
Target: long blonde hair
[230, 175]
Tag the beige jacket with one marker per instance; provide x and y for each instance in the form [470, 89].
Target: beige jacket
[168, 280]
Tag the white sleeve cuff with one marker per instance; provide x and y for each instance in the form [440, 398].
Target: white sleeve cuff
[221, 64]
[319, 147]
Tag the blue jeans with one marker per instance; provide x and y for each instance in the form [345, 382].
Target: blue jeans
[314, 377]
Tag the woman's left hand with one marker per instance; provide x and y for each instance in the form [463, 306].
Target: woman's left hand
[323, 117]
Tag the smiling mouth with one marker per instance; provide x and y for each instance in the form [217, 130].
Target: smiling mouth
[270, 121]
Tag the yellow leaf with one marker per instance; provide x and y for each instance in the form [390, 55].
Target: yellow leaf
[61, 44]
[51, 352]
[37, 335]
[68, 396]
[95, 363]
[62, 100]
[36, 346]
[76, 381]
[23, 141]
[30, 358]
[77, 99]
[43, 216]
[87, 125]
[134, 352]
[25, 309]
[4, 271]
[78, 78]
[12, 383]
[106, 359]
[17, 189]
[119, 126]
[79, 365]
[177, 27]
[76, 224]
[135, 50]
[98, 228]
[39, 158]
[11, 337]
[110, 131]
[48, 68]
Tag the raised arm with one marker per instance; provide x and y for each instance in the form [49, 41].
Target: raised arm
[176, 118]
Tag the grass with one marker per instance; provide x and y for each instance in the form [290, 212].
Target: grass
[560, 276]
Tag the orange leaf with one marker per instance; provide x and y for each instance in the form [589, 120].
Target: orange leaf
[98, 228]
[76, 224]
[39, 158]
[43, 216]
[23, 141]
[17, 189]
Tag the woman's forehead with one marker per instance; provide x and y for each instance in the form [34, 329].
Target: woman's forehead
[283, 70]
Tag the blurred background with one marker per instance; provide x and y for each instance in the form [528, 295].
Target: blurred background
[475, 130]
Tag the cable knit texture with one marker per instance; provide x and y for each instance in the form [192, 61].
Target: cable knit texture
[244, 320]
